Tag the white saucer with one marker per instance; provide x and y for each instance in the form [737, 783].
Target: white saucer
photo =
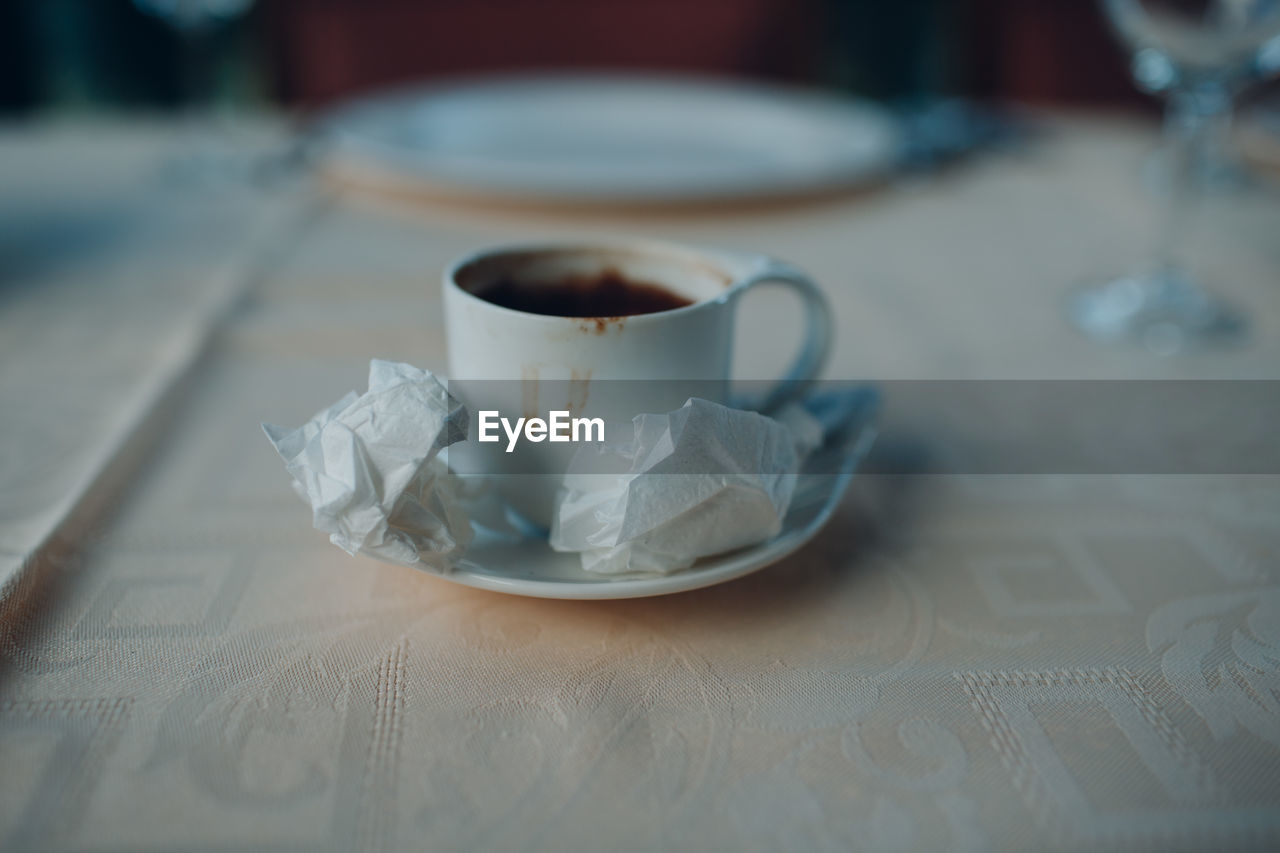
[610, 138]
[531, 568]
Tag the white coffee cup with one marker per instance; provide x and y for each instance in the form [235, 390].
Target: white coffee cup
[570, 363]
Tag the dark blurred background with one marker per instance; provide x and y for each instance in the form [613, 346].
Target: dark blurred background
[68, 55]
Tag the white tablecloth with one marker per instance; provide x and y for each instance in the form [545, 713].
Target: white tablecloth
[955, 663]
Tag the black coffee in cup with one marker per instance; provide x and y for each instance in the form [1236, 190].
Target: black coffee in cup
[607, 294]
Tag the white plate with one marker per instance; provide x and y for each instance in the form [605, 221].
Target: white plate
[612, 139]
[531, 568]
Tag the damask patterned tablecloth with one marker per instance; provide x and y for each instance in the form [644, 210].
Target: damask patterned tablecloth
[956, 662]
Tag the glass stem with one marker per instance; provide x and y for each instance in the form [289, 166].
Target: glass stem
[196, 140]
[195, 68]
[1193, 117]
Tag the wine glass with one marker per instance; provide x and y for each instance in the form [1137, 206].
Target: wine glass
[207, 154]
[194, 13]
[1198, 54]
[194, 20]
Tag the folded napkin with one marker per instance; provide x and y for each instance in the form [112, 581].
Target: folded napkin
[368, 467]
[698, 481]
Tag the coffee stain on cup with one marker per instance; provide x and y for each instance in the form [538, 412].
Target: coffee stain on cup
[529, 390]
[579, 389]
[600, 325]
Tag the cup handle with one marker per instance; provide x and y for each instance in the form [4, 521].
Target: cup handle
[819, 330]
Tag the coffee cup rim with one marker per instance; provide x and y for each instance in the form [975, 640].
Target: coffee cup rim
[719, 264]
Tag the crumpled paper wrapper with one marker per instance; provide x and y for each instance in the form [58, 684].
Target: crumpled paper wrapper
[702, 480]
[368, 468]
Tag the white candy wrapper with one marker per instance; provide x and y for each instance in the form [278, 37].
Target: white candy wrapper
[368, 467]
[698, 481]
